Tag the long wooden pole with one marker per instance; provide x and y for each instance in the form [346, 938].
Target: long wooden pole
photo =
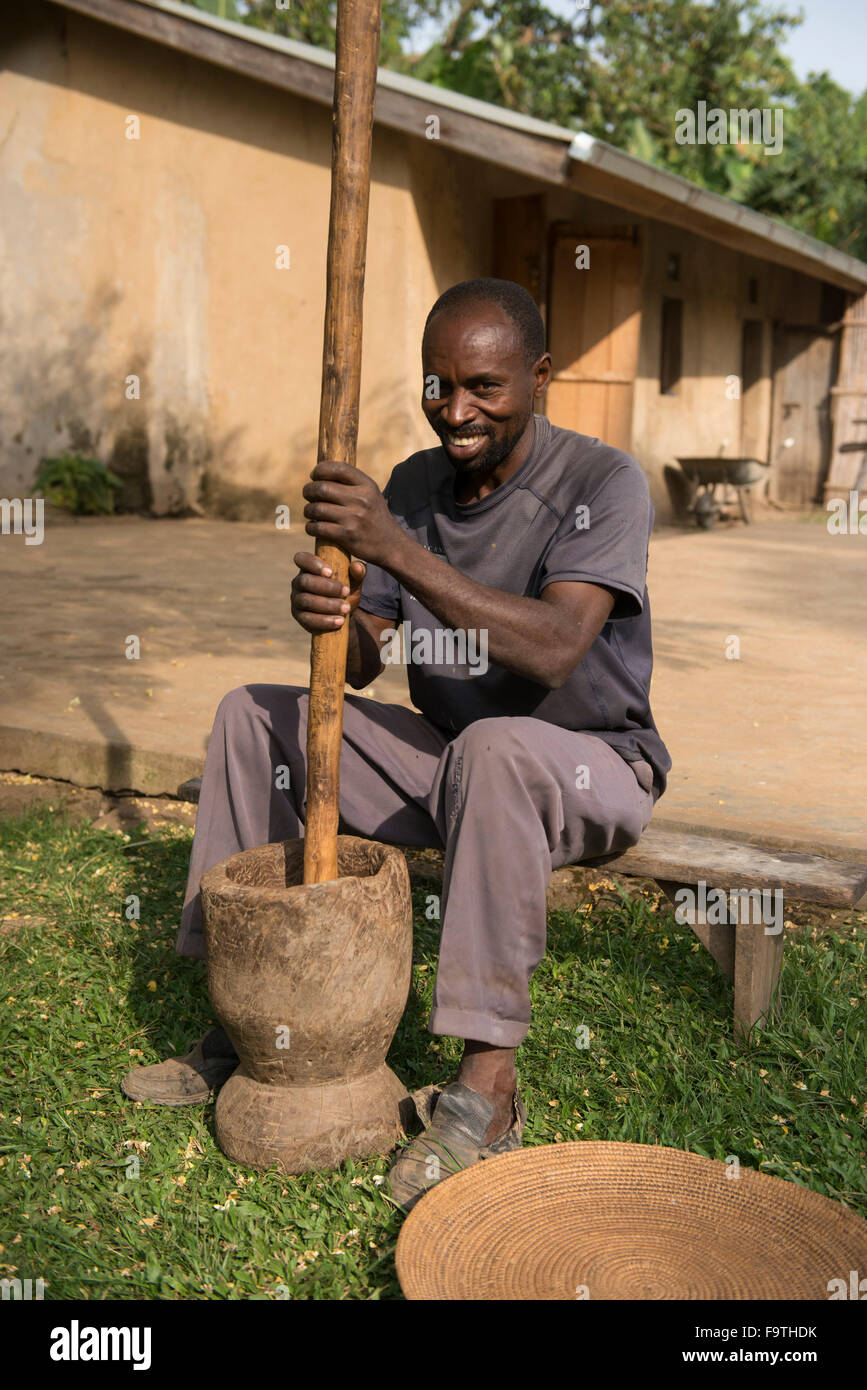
[357, 51]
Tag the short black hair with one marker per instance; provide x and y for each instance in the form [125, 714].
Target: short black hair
[513, 299]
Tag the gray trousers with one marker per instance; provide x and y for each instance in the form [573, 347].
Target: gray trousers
[502, 799]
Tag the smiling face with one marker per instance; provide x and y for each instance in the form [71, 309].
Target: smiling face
[487, 390]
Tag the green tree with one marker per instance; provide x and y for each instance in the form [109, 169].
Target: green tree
[621, 70]
[819, 182]
[520, 55]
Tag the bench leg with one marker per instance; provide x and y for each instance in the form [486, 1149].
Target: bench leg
[758, 960]
[747, 956]
[719, 939]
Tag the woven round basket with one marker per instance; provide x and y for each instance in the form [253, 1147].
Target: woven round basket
[624, 1221]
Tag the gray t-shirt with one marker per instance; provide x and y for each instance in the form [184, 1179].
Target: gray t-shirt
[575, 510]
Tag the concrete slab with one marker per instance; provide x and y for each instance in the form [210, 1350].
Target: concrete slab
[209, 604]
[767, 746]
[770, 744]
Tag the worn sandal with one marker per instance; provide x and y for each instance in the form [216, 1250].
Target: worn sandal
[456, 1120]
[185, 1080]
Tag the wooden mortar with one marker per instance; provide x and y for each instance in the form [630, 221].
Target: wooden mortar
[310, 982]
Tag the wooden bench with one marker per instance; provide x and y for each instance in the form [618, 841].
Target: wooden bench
[743, 951]
[750, 957]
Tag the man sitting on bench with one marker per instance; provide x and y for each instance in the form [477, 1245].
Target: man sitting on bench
[534, 746]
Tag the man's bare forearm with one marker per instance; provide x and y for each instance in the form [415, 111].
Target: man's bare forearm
[542, 639]
[531, 637]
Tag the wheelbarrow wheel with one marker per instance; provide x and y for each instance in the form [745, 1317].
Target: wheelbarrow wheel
[707, 510]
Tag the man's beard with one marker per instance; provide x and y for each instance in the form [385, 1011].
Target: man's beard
[496, 452]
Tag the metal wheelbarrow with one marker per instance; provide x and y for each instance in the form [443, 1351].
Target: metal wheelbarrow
[704, 487]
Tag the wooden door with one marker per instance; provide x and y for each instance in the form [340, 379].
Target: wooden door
[594, 326]
[848, 469]
[755, 391]
[804, 370]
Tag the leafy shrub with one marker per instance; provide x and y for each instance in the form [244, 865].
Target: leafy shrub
[83, 486]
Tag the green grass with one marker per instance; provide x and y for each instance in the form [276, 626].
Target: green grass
[87, 994]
